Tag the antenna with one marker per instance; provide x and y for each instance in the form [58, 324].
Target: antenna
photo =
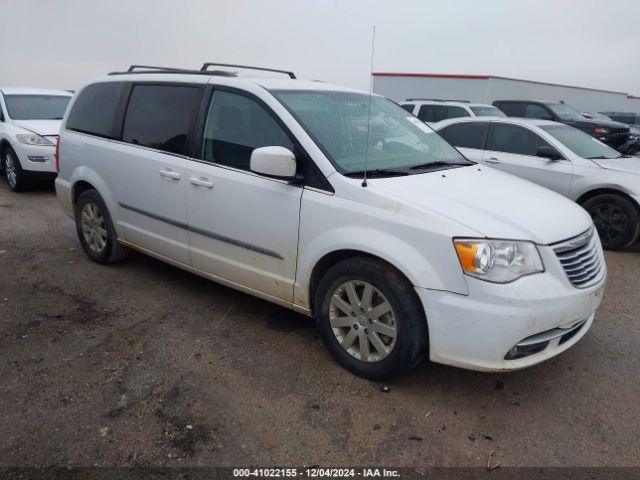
[366, 151]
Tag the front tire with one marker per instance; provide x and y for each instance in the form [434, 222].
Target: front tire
[16, 178]
[95, 229]
[616, 219]
[370, 318]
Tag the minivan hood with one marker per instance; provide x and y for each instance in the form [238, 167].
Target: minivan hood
[493, 203]
[630, 164]
[41, 127]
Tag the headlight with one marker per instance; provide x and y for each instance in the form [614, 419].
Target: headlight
[601, 131]
[33, 139]
[498, 261]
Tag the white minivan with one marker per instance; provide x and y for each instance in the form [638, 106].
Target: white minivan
[259, 183]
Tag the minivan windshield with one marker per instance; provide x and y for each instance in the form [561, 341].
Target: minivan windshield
[487, 111]
[580, 143]
[565, 112]
[36, 107]
[397, 142]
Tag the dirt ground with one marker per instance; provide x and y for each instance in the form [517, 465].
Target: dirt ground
[141, 364]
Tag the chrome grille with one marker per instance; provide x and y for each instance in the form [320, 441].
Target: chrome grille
[582, 259]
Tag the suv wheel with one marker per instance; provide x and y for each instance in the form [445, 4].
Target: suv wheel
[615, 218]
[95, 229]
[13, 171]
[370, 318]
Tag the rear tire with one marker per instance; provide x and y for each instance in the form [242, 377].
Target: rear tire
[16, 178]
[95, 229]
[616, 219]
[347, 308]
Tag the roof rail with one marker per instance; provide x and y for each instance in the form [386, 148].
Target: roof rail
[205, 68]
[156, 69]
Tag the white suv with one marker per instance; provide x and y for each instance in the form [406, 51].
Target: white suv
[432, 111]
[29, 125]
[257, 183]
[560, 157]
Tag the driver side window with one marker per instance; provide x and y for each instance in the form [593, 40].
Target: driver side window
[235, 126]
[510, 138]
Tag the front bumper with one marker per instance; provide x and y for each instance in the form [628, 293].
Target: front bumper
[36, 158]
[477, 331]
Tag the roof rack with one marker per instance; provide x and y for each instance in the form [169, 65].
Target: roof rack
[155, 69]
[205, 68]
[435, 100]
[203, 71]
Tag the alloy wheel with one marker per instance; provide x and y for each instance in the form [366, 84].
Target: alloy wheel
[610, 221]
[363, 321]
[94, 227]
[10, 170]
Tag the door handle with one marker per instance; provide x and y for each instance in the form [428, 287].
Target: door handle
[492, 160]
[201, 182]
[168, 173]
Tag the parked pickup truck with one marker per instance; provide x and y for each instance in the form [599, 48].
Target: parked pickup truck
[614, 134]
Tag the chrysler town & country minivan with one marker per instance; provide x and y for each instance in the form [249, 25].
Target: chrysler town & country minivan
[259, 183]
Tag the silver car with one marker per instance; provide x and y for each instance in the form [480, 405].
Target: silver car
[563, 159]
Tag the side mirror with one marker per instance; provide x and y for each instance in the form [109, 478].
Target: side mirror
[277, 162]
[549, 152]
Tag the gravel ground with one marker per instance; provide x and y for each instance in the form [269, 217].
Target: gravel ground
[141, 364]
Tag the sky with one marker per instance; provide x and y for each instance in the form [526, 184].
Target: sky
[64, 43]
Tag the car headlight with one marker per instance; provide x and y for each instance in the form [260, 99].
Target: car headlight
[498, 261]
[601, 131]
[32, 139]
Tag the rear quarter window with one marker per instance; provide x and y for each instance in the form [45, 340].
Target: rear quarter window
[94, 110]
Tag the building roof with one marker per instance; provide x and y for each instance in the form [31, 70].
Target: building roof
[497, 77]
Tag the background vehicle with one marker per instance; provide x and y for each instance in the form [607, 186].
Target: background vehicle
[432, 111]
[614, 134]
[564, 159]
[29, 126]
[259, 184]
[632, 120]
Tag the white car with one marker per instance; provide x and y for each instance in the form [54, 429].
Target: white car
[432, 111]
[258, 183]
[564, 159]
[29, 125]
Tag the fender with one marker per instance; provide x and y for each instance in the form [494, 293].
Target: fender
[411, 262]
[87, 174]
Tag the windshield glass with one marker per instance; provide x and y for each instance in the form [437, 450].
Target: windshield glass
[338, 122]
[36, 107]
[565, 112]
[580, 143]
[487, 111]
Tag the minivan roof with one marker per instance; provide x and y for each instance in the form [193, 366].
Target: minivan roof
[268, 83]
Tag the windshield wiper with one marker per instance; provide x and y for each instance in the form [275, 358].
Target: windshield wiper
[438, 163]
[599, 157]
[379, 172]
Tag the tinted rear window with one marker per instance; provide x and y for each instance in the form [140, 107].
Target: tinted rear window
[94, 110]
[432, 113]
[160, 116]
[511, 109]
[466, 135]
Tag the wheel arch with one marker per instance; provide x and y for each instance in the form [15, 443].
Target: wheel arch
[332, 258]
[607, 191]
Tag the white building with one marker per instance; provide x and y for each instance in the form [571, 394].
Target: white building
[487, 88]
